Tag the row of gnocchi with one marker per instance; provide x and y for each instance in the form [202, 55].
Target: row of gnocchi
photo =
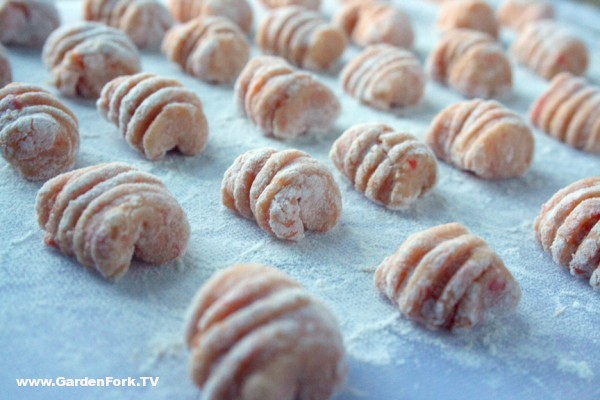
[441, 278]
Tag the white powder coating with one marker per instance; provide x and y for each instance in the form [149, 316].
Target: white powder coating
[373, 22]
[389, 167]
[144, 21]
[27, 22]
[211, 48]
[283, 102]
[83, 57]
[446, 277]
[483, 137]
[384, 77]
[302, 37]
[286, 192]
[106, 213]
[254, 333]
[62, 319]
[155, 114]
[39, 135]
[568, 228]
[310, 4]
[518, 13]
[547, 49]
[569, 112]
[472, 63]
[238, 11]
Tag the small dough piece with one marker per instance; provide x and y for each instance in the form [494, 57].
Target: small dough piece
[213, 49]
[5, 69]
[547, 49]
[476, 15]
[287, 192]
[370, 22]
[569, 111]
[472, 63]
[27, 23]
[155, 114]
[107, 213]
[144, 21]
[238, 11]
[39, 135]
[568, 228]
[256, 334]
[482, 137]
[84, 57]
[283, 102]
[518, 13]
[446, 277]
[385, 77]
[389, 167]
[310, 4]
[301, 36]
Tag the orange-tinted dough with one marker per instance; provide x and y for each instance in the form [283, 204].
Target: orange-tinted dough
[105, 214]
[27, 22]
[155, 114]
[475, 15]
[472, 63]
[39, 135]
[446, 277]
[568, 228]
[144, 21]
[518, 13]
[256, 334]
[283, 102]
[213, 49]
[389, 167]
[369, 22]
[238, 11]
[547, 49]
[385, 77]
[482, 137]
[287, 192]
[301, 36]
[83, 57]
[569, 111]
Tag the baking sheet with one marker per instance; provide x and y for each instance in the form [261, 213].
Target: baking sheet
[61, 320]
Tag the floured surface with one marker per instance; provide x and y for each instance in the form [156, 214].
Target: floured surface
[58, 319]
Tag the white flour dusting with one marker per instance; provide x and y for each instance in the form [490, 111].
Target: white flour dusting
[60, 319]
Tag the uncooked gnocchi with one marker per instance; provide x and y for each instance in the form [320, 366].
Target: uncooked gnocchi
[155, 114]
[547, 49]
[568, 228]
[27, 22]
[255, 333]
[287, 192]
[213, 49]
[283, 102]
[39, 135]
[569, 111]
[446, 277]
[369, 22]
[385, 77]
[389, 167]
[82, 58]
[144, 21]
[105, 214]
[482, 137]
[518, 13]
[301, 36]
[310, 4]
[476, 15]
[472, 63]
[238, 11]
